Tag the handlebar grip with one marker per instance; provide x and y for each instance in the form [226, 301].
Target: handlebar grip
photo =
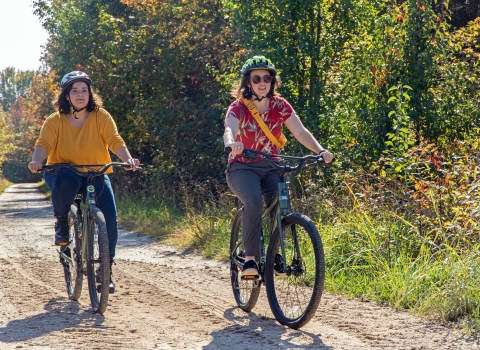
[321, 160]
[227, 149]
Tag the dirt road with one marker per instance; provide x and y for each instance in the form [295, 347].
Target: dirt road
[168, 299]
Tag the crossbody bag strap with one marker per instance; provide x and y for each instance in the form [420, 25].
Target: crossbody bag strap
[256, 114]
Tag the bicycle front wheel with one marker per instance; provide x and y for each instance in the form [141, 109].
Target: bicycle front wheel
[246, 292]
[71, 256]
[98, 261]
[294, 289]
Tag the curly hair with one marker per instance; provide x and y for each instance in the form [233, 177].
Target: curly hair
[242, 90]
[62, 105]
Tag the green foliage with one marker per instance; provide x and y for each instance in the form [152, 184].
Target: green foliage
[5, 136]
[456, 94]
[337, 61]
[161, 69]
[307, 41]
[15, 170]
[402, 137]
[13, 84]
[165, 69]
[20, 125]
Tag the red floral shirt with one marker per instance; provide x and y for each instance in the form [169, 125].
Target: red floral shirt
[250, 133]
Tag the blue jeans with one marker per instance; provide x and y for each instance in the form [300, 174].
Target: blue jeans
[64, 187]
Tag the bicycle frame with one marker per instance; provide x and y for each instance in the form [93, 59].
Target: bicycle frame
[89, 245]
[90, 204]
[83, 223]
[280, 205]
[281, 202]
[293, 287]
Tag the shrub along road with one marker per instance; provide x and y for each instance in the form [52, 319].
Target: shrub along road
[168, 299]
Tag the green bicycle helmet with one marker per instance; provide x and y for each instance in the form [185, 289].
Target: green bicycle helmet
[258, 62]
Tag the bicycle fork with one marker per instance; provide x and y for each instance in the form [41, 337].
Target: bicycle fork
[89, 204]
[284, 202]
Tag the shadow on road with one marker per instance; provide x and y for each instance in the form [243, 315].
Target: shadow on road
[60, 314]
[253, 331]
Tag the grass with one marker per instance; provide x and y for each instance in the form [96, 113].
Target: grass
[370, 257]
[4, 183]
[204, 232]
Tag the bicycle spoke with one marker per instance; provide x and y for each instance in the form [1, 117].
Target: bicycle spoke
[98, 264]
[69, 257]
[294, 297]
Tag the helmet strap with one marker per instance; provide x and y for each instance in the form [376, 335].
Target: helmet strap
[256, 97]
[75, 109]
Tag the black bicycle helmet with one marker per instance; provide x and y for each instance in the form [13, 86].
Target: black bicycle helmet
[73, 77]
[258, 62]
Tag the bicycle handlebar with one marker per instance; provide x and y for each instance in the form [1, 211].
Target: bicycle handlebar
[90, 172]
[248, 153]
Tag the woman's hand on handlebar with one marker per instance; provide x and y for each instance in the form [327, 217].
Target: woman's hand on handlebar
[326, 155]
[134, 164]
[35, 166]
[237, 147]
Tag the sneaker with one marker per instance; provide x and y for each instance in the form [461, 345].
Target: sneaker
[61, 230]
[250, 268]
[278, 266]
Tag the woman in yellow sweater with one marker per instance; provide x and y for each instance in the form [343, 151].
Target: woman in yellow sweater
[80, 132]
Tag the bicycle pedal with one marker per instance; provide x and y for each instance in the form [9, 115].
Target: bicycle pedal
[251, 277]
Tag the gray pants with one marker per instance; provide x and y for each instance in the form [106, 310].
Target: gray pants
[249, 182]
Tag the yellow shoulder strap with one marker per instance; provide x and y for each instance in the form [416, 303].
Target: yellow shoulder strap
[256, 114]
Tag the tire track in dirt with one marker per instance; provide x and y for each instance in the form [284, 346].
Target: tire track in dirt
[168, 299]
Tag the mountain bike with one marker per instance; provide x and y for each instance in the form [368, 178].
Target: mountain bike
[293, 267]
[87, 251]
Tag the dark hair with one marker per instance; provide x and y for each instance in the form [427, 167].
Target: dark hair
[62, 105]
[242, 90]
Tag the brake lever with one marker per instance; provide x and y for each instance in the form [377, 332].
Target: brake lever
[246, 153]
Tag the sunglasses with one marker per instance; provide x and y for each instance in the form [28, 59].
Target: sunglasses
[266, 78]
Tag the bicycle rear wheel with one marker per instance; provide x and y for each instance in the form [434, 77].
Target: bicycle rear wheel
[246, 292]
[294, 297]
[71, 256]
[98, 261]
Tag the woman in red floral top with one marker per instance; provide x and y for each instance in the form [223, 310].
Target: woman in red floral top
[252, 179]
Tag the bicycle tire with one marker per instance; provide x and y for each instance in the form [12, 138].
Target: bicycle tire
[73, 271]
[246, 293]
[98, 261]
[294, 297]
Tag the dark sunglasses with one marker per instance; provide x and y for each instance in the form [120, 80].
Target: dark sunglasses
[266, 78]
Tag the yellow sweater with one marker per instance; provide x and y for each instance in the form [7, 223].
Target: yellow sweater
[88, 144]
